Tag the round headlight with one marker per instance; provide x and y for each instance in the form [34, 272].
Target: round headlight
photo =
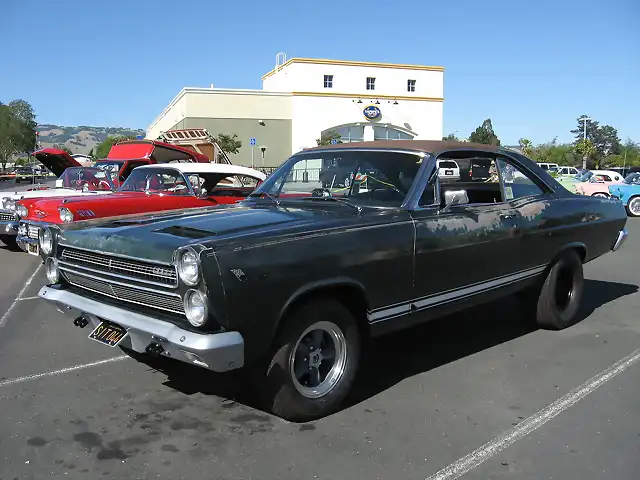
[22, 211]
[66, 215]
[46, 240]
[188, 267]
[195, 307]
[51, 267]
[9, 204]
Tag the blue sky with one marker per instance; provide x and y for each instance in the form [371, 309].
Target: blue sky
[532, 67]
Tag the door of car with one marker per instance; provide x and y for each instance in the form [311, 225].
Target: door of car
[542, 218]
[465, 249]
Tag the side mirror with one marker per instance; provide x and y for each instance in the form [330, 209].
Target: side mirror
[203, 193]
[454, 197]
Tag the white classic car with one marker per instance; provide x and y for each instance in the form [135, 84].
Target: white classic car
[73, 180]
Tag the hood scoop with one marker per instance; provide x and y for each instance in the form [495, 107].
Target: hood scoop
[187, 232]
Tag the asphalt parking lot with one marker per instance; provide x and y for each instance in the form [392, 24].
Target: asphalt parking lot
[476, 395]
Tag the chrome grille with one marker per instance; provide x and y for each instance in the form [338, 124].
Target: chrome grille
[32, 231]
[148, 298]
[121, 267]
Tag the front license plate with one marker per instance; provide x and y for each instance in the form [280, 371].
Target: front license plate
[111, 334]
[32, 248]
[448, 172]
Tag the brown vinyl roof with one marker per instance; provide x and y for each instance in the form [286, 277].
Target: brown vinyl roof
[430, 146]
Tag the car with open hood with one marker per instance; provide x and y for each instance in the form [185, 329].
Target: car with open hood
[122, 158]
[149, 189]
[287, 283]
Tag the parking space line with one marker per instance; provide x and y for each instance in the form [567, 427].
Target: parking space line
[535, 421]
[27, 298]
[4, 318]
[62, 371]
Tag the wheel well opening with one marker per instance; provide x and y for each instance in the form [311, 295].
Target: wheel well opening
[350, 296]
[582, 252]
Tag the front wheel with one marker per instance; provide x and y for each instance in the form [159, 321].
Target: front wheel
[559, 297]
[313, 362]
[633, 207]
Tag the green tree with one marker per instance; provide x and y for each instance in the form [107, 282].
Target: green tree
[586, 150]
[326, 137]
[604, 138]
[485, 134]
[229, 143]
[451, 137]
[526, 146]
[23, 113]
[102, 150]
[17, 130]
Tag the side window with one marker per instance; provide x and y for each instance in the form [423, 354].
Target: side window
[516, 183]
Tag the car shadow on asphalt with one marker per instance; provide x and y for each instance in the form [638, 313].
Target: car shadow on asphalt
[390, 359]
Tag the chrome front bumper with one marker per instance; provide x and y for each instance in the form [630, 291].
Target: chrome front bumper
[8, 228]
[219, 352]
[622, 236]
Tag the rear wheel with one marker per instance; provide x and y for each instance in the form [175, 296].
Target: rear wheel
[558, 301]
[313, 362]
[633, 207]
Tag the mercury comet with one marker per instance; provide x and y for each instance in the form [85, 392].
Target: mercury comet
[290, 282]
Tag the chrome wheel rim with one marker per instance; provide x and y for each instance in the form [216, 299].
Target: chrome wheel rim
[600, 195]
[318, 359]
[634, 206]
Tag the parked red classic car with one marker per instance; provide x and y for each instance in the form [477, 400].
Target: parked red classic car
[149, 189]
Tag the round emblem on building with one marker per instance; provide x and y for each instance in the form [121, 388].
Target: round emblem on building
[371, 112]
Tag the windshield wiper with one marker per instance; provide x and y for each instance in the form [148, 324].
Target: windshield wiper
[341, 201]
[265, 195]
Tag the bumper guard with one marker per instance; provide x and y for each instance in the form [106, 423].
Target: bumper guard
[622, 236]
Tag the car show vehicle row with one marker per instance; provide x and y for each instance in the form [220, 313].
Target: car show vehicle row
[289, 281]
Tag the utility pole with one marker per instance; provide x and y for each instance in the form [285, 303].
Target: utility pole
[584, 139]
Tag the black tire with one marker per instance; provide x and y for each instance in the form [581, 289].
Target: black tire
[561, 293]
[274, 378]
[9, 241]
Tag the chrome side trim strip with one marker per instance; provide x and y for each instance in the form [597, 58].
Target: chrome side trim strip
[422, 303]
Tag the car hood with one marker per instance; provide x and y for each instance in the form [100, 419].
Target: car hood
[51, 192]
[155, 237]
[56, 160]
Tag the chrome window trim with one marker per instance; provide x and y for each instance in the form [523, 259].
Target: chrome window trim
[173, 285]
[180, 173]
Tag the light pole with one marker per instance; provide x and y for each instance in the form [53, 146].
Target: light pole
[584, 139]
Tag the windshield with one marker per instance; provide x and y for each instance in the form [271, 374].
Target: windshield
[157, 180]
[583, 177]
[366, 178]
[87, 179]
[633, 178]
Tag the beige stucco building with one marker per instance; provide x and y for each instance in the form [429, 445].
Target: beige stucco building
[302, 98]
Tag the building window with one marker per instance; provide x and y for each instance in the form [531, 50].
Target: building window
[328, 81]
[371, 83]
[411, 85]
[389, 133]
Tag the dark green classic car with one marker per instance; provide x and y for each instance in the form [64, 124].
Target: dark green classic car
[288, 283]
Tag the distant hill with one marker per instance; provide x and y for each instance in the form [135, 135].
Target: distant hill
[80, 139]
